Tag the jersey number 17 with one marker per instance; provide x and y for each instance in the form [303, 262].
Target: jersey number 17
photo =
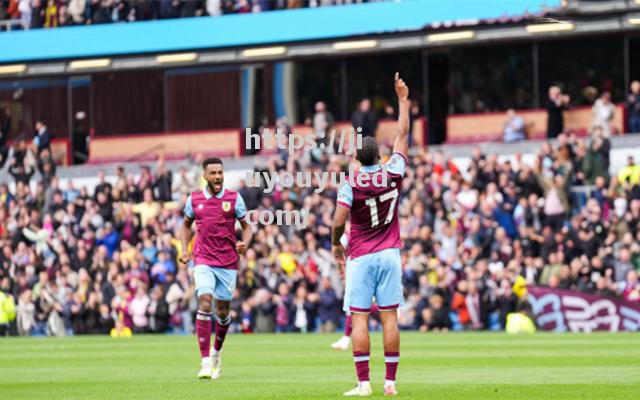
[373, 207]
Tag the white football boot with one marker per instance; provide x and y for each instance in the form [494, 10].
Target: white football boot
[206, 370]
[342, 343]
[362, 390]
[216, 358]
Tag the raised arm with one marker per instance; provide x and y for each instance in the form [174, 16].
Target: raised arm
[401, 142]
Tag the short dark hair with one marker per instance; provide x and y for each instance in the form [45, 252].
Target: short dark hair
[368, 154]
[211, 160]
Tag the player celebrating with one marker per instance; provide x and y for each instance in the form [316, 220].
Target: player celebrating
[215, 210]
[374, 263]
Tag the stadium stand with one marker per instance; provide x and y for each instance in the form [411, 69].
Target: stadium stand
[76, 258]
[489, 127]
[223, 143]
[25, 15]
[83, 249]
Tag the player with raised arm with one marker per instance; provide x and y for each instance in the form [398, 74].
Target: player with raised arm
[215, 210]
[374, 268]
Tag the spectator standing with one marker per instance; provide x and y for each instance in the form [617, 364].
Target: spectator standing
[163, 182]
[103, 186]
[589, 96]
[42, 138]
[514, 127]
[304, 307]
[24, 6]
[7, 311]
[475, 306]
[557, 102]
[631, 291]
[437, 315]
[213, 7]
[633, 107]
[596, 162]
[365, 118]
[506, 301]
[46, 167]
[459, 304]
[21, 172]
[26, 312]
[328, 307]
[76, 10]
[80, 140]
[145, 181]
[148, 209]
[51, 15]
[284, 309]
[603, 112]
[322, 120]
[265, 311]
[98, 12]
[191, 8]
[158, 311]
[138, 309]
[12, 9]
[37, 13]
[630, 173]
[556, 203]
[622, 265]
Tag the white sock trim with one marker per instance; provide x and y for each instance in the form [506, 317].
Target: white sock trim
[387, 382]
[203, 316]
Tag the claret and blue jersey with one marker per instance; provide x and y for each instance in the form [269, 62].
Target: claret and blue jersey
[214, 252]
[374, 263]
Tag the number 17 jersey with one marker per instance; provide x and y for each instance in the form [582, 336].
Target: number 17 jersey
[373, 203]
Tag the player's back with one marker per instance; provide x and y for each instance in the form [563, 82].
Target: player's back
[374, 208]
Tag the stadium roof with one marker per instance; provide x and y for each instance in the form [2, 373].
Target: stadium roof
[246, 30]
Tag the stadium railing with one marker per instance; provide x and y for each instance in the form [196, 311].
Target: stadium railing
[214, 142]
[60, 149]
[172, 145]
[6, 25]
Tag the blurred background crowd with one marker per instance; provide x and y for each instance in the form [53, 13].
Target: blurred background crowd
[103, 259]
[32, 14]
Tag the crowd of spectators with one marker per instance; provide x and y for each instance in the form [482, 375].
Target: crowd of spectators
[54, 13]
[79, 260]
[603, 112]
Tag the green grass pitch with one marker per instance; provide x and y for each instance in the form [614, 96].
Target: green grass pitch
[432, 366]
